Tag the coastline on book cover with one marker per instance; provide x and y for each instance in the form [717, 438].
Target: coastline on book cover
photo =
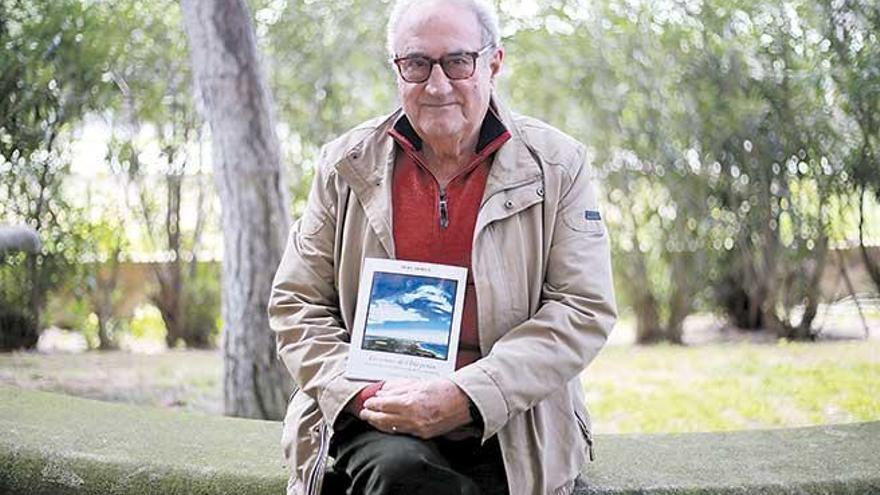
[408, 320]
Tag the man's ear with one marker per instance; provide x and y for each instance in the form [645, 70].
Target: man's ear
[496, 62]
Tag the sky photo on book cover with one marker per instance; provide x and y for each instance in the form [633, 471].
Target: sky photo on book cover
[410, 314]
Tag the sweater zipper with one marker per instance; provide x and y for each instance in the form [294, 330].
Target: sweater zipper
[444, 209]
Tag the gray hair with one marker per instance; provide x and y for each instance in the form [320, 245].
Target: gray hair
[484, 10]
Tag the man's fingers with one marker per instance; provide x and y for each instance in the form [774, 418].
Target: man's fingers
[388, 423]
[386, 403]
[397, 386]
[394, 391]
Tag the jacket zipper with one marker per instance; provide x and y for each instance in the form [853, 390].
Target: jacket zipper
[444, 209]
[318, 471]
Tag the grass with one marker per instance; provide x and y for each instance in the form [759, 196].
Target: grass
[630, 389]
[187, 380]
[733, 386]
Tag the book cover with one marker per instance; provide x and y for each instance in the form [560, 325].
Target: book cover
[408, 320]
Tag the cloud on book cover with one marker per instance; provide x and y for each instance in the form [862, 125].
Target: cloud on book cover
[409, 299]
[384, 310]
[435, 298]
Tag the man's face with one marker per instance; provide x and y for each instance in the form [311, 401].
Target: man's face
[440, 108]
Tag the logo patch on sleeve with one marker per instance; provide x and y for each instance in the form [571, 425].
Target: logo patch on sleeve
[592, 215]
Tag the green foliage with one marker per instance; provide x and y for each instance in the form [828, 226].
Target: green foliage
[201, 307]
[850, 30]
[51, 72]
[146, 323]
[736, 142]
[98, 280]
[328, 69]
[50, 75]
[719, 142]
[18, 324]
[68, 312]
[168, 190]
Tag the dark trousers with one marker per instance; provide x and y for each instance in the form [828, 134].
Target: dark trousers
[369, 462]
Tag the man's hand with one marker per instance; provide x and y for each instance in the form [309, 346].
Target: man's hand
[423, 408]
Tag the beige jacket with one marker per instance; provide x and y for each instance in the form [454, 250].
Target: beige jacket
[542, 271]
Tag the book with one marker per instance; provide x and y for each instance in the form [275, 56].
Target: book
[407, 321]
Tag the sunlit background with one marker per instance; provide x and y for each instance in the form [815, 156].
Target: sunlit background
[736, 143]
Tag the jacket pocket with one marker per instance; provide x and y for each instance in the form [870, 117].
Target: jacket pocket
[584, 425]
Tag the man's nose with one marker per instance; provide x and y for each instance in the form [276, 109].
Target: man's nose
[437, 82]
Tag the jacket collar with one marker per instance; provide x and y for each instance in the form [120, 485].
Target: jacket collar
[370, 162]
[514, 163]
[368, 166]
[491, 129]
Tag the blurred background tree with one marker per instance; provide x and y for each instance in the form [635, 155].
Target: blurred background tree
[98, 282]
[153, 107]
[251, 182]
[850, 28]
[50, 75]
[339, 77]
[717, 129]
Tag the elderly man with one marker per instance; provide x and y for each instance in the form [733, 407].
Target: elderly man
[453, 178]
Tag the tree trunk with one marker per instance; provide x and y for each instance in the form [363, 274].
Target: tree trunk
[253, 193]
[739, 293]
[681, 296]
[30, 334]
[852, 292]
[648, 328]
[804, 330]
[167, 300]
[170, 273]
[104, 342]
[104, 297]
[870, 265]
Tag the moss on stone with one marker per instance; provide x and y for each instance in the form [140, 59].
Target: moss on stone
[822, 459]
[58, 444]
[55, 444]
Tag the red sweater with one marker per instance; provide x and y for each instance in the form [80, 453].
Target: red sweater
[436, 225]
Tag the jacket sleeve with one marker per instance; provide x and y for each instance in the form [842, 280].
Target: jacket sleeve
[303, 307]
[576, 314]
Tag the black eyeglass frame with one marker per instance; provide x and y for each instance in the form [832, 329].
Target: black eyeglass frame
[439, 61]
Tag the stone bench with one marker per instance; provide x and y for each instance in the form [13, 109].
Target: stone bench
[56, 444]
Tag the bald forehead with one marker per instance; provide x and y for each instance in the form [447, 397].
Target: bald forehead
[453, 22]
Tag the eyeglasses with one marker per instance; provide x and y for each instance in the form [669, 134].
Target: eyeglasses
[417, 68]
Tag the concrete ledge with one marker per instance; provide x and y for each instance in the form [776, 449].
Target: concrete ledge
[837, 459]
[55, 444]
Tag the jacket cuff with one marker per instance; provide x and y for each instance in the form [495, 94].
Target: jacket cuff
[476, 418]
[336, 395]
[484, 392]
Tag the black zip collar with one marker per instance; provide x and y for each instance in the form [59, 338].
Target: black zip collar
[491, 130]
